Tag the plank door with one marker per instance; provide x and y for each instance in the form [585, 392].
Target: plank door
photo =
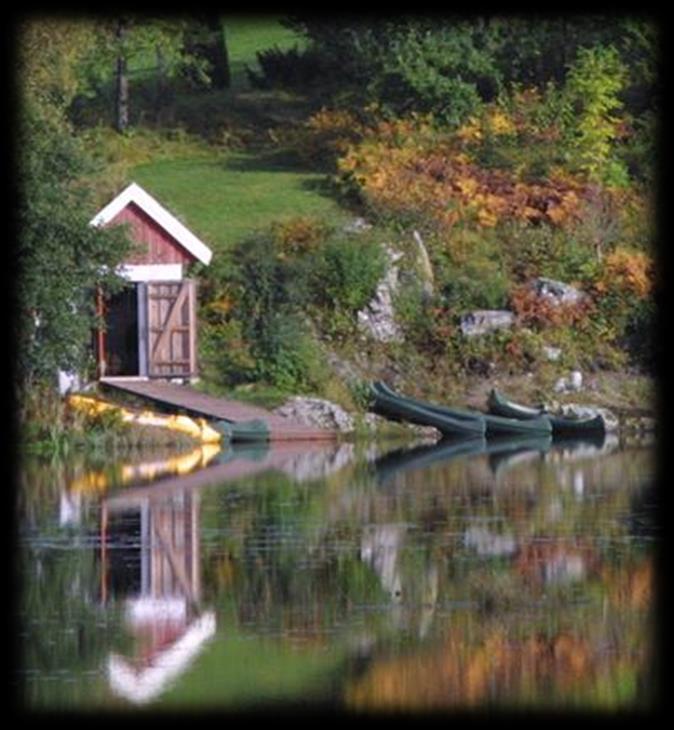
[171, 328]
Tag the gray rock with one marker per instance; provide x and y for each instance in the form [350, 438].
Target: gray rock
[344, 369]
[425, 269]
[481, 321]
[561, 385]
[552, 354]
[378, 319]
[485, 542]
[68, 382]
[357, 225]
[317, 412]
[557, 292]
[572, 384]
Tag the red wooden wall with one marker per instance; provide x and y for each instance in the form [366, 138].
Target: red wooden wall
[158, 246]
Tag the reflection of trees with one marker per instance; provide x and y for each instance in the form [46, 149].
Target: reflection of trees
[489, 659]
[497, 579]
[301, 559]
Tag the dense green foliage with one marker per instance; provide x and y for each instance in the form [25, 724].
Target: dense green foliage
[257, 324]
[448, 64]
[61, 260]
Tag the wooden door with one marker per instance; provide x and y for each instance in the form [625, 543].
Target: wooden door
[171, 328]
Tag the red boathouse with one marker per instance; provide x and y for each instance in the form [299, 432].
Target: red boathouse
[151, 326]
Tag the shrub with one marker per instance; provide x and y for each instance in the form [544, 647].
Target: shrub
[286, 355]
[291, 68]
[531, 251]
[479, 284]
[623, 291]
[413, 171]
[346, 273]
[593, 85]
[539, 312]
[225, 354]
[297, 236]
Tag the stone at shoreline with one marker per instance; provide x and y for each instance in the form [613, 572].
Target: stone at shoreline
[317, 412]
[481, 321]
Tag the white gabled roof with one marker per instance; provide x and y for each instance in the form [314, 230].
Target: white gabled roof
[135, 194]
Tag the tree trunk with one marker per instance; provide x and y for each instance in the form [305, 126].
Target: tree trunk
[163, 93]
[122, 83]
[206, 40]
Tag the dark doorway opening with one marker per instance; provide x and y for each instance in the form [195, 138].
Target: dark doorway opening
[121, 340]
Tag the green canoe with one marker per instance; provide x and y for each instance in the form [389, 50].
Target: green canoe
[494, 425]
[499, 405]
[390, 405]
[237, 431]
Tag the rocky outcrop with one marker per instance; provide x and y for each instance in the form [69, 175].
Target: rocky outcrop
[357, 225]
[317, 412]
[557, 292]
[482, 321]
[571, 384]
[489, 543]
[378, 319]
[424, 268]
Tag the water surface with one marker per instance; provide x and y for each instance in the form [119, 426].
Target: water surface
[376, 577]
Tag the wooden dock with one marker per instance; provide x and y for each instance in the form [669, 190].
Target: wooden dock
[187, 400]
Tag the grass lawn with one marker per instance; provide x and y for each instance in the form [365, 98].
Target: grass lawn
[225, 198]
[248, 34]
[222, 194]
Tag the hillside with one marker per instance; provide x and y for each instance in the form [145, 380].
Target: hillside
[273, 175]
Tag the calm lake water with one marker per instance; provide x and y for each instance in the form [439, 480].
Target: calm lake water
[365, 578]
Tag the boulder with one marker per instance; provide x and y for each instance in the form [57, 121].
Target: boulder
[571, 384]
[424, 267]
[378, 319]
[552, 354]
[317, 412]
[557, 292]
[489, 543]
[481, 321]
[357, 225]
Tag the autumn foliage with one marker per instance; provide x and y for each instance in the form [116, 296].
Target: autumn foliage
[405, 167]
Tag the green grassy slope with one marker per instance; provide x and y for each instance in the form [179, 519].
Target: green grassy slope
[248, 34]
[223, 194]
[226, 198]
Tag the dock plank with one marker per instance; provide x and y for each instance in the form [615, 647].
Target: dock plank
[192, 402]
